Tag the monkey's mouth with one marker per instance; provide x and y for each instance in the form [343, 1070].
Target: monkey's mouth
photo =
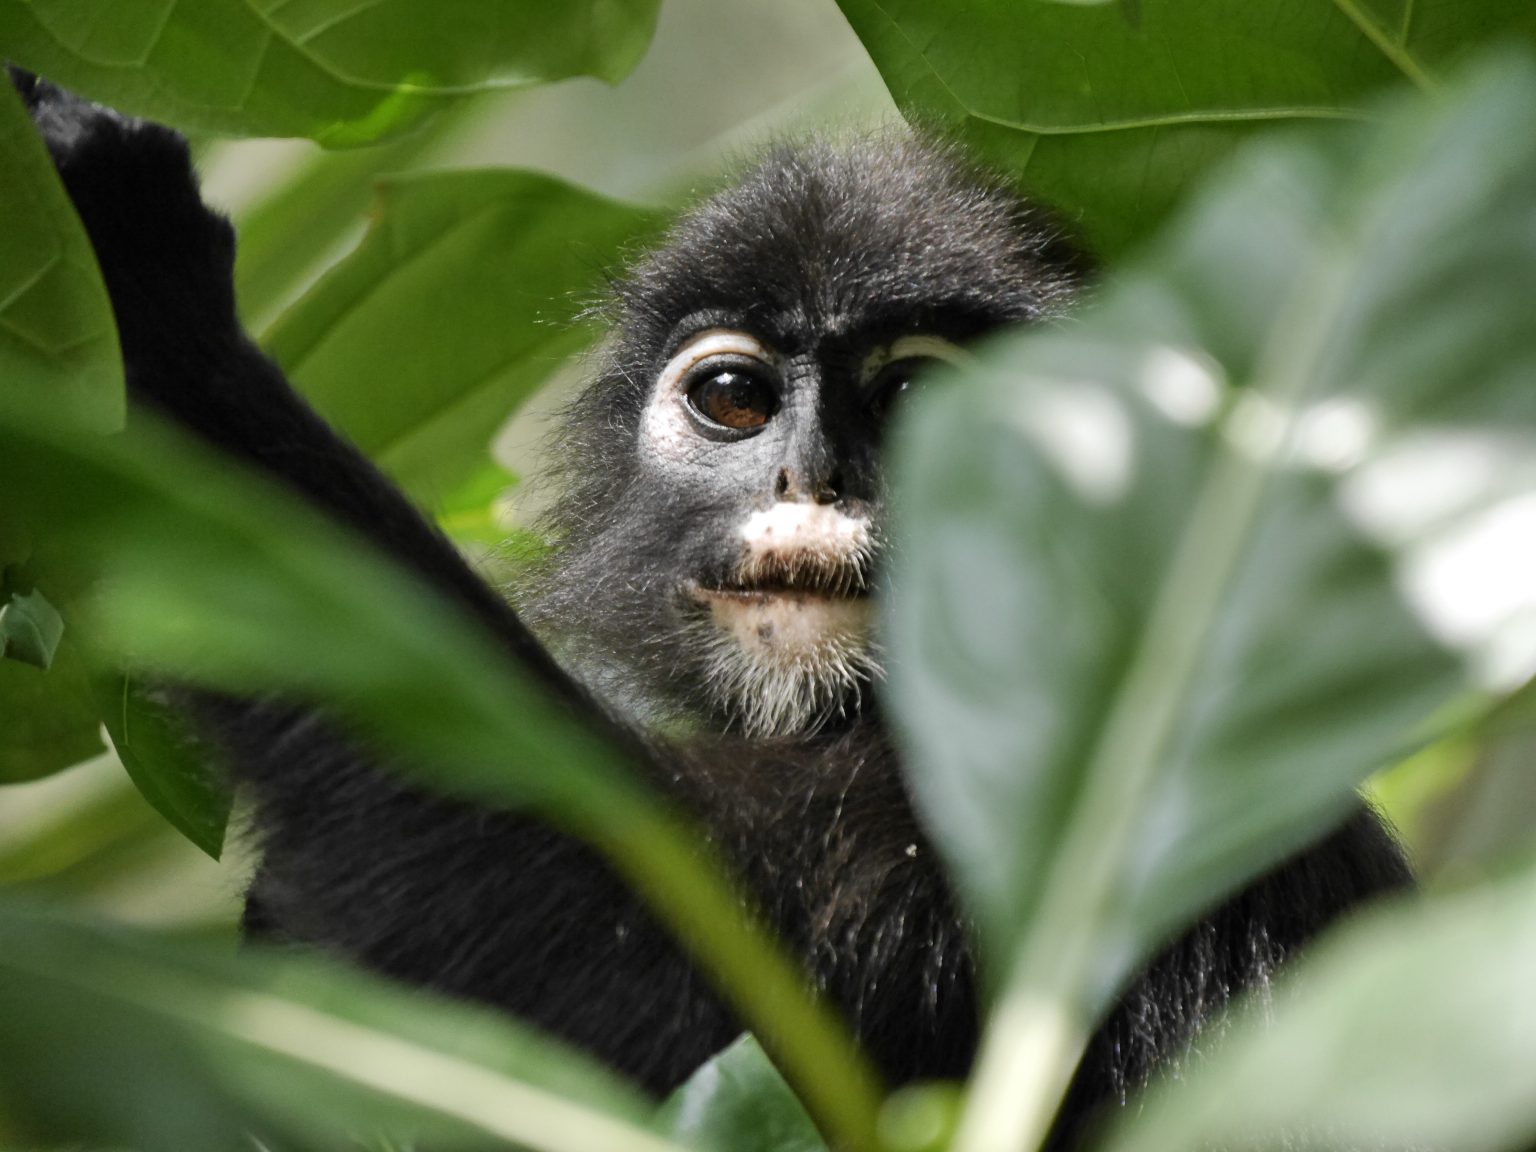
[795, 576]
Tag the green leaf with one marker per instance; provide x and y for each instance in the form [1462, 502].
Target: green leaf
[290, 234]
[738, 1102]
[1213, 537]
[48, 720]
[204, 588]
[169, 769]
[1111, 118]
[57, 336]
[496, 267]
[334, 70]
[117, 1038]
[30, 630]
[1409, 1029]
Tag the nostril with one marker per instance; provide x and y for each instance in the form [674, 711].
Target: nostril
[781, 485]
[830, 490]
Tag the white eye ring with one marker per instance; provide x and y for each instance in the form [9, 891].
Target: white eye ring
[919, 347]
[711, 342]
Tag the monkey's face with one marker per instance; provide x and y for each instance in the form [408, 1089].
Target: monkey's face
[723, 518]
[767, 441]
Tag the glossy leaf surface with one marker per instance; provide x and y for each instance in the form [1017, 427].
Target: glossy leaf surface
[334, 70]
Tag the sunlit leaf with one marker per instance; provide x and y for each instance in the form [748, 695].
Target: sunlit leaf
[462, 299]
[1207, 541]
[334, 70]
[57, 336]
[1111, 118]
[1409, 1030]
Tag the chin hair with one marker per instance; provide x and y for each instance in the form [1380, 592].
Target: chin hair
[764, 693]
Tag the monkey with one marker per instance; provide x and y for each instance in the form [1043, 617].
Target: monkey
[707, 603]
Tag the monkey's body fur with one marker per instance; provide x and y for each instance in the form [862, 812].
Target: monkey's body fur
[501, 909]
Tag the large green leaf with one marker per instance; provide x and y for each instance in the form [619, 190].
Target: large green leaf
[1212, 538]
[57, 336]
[1110, 118]
[461, 300]
[334, 70]
[216, 578]
[113, 1037]
[1410, 1030]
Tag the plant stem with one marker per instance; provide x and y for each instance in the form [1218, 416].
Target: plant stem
[672, 869]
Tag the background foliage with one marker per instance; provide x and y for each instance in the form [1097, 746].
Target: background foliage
[1182, 575]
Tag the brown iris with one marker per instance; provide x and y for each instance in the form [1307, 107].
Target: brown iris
[734, 398]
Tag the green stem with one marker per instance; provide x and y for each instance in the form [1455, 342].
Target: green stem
[670, 867]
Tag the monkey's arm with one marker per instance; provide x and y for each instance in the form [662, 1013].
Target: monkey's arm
[473, 902]
[168, 260]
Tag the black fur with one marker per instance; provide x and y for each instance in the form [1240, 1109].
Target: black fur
[816, 245]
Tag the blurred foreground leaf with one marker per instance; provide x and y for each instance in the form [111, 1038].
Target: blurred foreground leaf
[115, 1038]
[1110, 118]
[57, 336]
[334, 70]
[462, 299]
[1205, 541]
[1410, 1029]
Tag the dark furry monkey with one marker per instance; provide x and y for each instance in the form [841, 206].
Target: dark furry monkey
[720, 518]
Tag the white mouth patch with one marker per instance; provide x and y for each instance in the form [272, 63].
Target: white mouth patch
[814, 545]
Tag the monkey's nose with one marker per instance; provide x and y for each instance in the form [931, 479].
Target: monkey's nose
[791, 484]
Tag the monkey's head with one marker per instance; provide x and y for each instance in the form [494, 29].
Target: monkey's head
[723, 503]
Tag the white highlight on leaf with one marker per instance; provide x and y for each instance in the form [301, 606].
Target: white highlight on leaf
[1185, 388]
[1336, 434]
[1257, 427]
[1083, 430]
[1459, 508]
[1475, 586]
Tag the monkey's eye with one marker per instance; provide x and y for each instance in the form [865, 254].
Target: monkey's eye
[896, 381]
[733, 398]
